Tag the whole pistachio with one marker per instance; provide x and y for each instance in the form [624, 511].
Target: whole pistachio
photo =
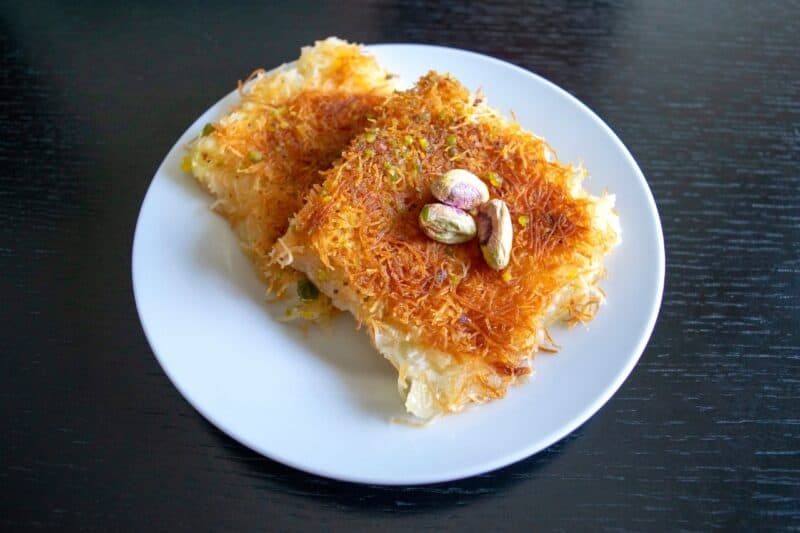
[460, 188]
[495, 233]
[447, 224]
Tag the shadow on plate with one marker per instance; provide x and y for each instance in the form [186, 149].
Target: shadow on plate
[370, 381]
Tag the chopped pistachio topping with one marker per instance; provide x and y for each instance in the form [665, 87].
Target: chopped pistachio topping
[495, 179]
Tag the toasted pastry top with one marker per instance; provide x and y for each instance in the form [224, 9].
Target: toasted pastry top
[361, 226]
[263, 157]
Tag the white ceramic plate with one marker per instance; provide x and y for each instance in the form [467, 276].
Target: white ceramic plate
[322, 400]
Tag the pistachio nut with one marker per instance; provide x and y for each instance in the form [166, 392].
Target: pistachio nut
[460, 188]
[495, 233]
[447, 224]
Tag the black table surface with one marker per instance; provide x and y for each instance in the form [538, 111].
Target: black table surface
[704, 434]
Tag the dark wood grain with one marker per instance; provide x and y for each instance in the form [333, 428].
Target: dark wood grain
[704, 434]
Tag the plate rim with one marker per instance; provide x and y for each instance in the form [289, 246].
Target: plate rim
[474, 468]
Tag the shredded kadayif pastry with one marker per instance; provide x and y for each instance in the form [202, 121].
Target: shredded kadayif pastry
[262, 158]
[456, 330]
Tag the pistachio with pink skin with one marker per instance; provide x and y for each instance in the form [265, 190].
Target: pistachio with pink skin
[446, 224]
[495, 233]
[460, 188]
